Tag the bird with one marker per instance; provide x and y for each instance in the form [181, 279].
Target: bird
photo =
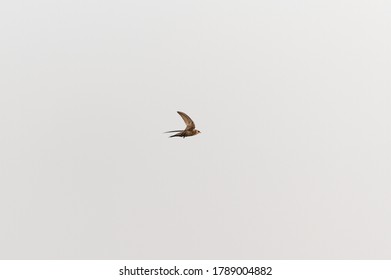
[188, 131]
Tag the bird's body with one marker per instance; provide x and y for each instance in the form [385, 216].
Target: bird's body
[184, 133]
[189, 130]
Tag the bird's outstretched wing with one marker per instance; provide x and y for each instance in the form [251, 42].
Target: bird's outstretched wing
[188, 121]
[173, 131]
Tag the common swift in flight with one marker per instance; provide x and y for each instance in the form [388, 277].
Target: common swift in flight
[189, 130]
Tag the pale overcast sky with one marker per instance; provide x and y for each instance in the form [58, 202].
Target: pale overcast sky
[293, 100]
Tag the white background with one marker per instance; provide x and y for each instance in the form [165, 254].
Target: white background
[292, 99]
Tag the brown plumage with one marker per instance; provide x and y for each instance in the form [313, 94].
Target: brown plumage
[189, 130]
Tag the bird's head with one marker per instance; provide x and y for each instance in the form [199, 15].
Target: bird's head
[197, 131]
